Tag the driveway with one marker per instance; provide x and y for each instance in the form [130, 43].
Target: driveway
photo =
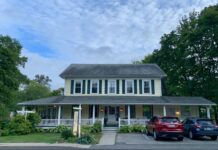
[129, 138]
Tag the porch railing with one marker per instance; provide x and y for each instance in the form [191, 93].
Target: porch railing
[124, 122]
[67, 122]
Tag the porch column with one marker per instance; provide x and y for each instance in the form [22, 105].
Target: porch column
[93, 114]
[208, 112]
[59, 115]
[128, 114]
[79, 127]
[164, 111]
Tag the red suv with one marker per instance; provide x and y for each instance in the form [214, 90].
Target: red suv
[165, 127]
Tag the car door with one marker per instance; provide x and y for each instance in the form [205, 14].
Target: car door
[186, 126]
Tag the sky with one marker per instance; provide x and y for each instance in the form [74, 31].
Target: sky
[57, 33]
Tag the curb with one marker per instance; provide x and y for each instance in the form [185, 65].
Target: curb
[43, 144]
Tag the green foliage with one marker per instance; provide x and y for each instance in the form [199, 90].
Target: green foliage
[33, 90]
[132, 129]
[4, 132]
[34, 119]
[66, 134]
[57, 92]
[86, 139]
[19, 126]
[4, 124]
[189, 55]
[42, 79]
[10, 75]
[58, 129]
[96, 128]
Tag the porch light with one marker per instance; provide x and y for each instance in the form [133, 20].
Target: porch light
[101, 109]
[54, 106]
[121, 109]
[177, 113]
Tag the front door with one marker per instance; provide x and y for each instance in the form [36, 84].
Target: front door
[111, 115]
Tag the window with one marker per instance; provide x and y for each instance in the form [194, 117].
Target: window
[147, 111]
[185, 111]
[112, 86]
[78, 87]
[129, 86]
[146, 86]
[94, 86]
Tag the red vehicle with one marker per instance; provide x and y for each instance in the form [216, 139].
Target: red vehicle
[165, 127]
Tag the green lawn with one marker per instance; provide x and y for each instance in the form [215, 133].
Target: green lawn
[31, 138]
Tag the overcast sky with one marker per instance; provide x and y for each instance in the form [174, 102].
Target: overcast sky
[56, 33]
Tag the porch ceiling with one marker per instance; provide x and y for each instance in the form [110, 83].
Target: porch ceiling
[122, 100]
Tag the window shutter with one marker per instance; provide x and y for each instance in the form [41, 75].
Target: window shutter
[152, 87]
[106, 86]
[118, 86]
[72, 87]
[132, 111]
[100, 86]
[84, 86]
[88, 88]
[123, 86]
[140, 86]
[135, 86]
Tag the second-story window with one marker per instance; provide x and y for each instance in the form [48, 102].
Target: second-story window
[111, 86]
[146, 86]
[94, 86]
[78, 87]
[129, 86]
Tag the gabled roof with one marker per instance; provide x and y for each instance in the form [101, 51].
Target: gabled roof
[120, 100]
[113, 71]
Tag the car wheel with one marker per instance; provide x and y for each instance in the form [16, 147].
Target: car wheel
[214, 138]
[190, 135]
[180, 138]
[156, 137]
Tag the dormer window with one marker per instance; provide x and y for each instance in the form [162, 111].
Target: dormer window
[94, 86]
[78, 87]
[129, 86]
[112, 86]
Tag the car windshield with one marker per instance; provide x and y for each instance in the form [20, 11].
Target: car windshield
[205, 122]
[169, 119]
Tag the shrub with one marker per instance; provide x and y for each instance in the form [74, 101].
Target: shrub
[4, 124]
[86, 139]
[66, 134]
[125, 129]
[5, 132]
[138, 128]
[34, 119]
[18, 125]
[96, 128]
[85, 129]
[134, 128]
[58, 129]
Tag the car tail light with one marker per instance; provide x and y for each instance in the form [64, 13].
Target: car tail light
[197, 126]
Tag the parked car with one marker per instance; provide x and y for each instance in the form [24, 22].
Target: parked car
[165, 127]
[198, 127]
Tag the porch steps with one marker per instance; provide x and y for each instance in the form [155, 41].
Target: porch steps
[110, 128]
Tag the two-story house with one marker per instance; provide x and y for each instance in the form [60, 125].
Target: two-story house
[115, 94]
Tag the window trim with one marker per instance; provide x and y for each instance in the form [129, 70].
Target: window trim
[108, 87]
[81, 82]
[143, 85]
[97, 86]
[126, 86]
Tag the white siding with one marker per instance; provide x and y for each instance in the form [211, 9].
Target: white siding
[67, 87]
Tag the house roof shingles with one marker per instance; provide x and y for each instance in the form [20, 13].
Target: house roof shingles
[119, 100]
[113, 71]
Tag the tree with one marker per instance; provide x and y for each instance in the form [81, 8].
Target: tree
[189, 56]
[57, 92]
[42, 79]
[33, 90]
[10, 75]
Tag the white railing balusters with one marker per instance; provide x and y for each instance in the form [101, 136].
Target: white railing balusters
[124, 122]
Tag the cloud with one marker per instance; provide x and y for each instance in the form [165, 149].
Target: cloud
[57, 33]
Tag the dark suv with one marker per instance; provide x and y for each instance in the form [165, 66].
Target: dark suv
[165, 127]
[198, 127]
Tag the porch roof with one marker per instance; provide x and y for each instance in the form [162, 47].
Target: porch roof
[116, 100]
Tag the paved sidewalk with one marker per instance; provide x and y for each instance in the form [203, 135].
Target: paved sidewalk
[108, 138]
[43, 145]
